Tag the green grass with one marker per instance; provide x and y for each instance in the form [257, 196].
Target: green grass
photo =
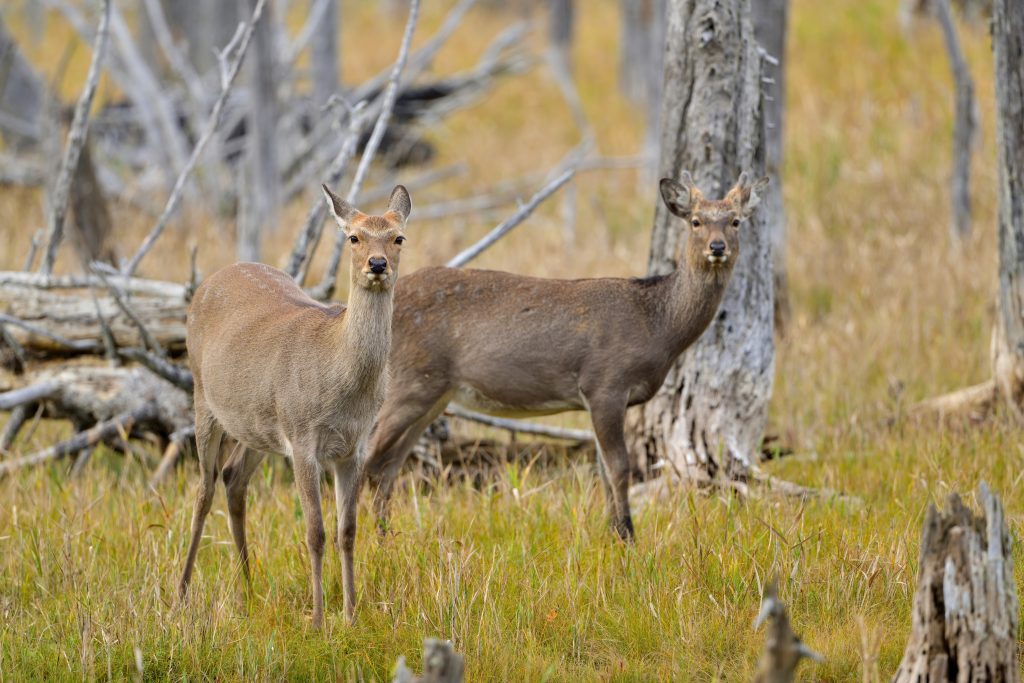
[530, 584]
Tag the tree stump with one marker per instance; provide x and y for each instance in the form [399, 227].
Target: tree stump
[965, 608]
[441, 664]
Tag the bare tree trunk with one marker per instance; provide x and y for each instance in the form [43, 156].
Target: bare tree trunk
[1008, 337]
[21, 95]
[91, 234]
[207, 27]
[261, 144]
[965, 606]
[964, 126]
[770, 21]
[323, 52]
[708, 418]
[561, 28]
[633, 48]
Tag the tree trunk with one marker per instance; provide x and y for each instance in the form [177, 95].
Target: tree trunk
[770, 21]
[92, 228]
[207, 26]
[965, 606]
[634, 49]
[708, 418]
[21, 96]
[964, 125]
[1008, 337]
[261, 144]
[323, 53]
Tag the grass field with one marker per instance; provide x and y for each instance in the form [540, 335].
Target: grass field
[523, 575]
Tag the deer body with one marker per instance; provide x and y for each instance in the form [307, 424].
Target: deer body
[282, 373]
[510, 345]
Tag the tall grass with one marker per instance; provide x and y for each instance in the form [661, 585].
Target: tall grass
[523, 575]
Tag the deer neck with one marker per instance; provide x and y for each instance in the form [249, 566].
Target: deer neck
[364, 331]
[693, 298]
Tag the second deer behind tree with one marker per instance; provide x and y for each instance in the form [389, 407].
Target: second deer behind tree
[511, 345]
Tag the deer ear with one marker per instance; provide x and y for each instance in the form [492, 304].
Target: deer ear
[342, 211]
[400, 203]
[746, 196]
[680, 197]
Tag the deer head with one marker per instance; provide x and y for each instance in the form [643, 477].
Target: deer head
[713, 244]
[375, 241]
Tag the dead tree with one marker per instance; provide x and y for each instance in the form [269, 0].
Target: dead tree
[965, 124]
[21, 95]
[965, 613]
[1007, 349]
[708, 418]
[324, 49]
[770, 22]
[641, 61]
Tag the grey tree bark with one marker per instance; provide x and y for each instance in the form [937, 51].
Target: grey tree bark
[207, 26]
[264, 190]
[1008, 337]
[708, 418]
[965, 124]
[323, 53]
[21, 95]
[771, 18]
[965, 613]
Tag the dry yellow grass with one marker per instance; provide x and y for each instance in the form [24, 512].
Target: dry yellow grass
[885, 312]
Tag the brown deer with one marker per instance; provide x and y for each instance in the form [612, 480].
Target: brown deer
[282, 373]
[510, 345]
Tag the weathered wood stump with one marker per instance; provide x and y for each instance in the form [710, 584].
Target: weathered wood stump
[783, 649]
[441, 664]
[965, 608]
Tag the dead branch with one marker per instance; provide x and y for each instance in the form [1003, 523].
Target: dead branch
[42, 282]
[101, 432]
[783, 649]
[16, 420]
[176, 375]
[228, 76]
[521, 426]
[29, 394]
[971, 403]
[171, 455]
[326, 287]
[467, 255]
[73, 147]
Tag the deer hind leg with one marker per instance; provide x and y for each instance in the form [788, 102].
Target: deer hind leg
[208, 438]
[401, 423]
[347, 473]
[236, 475]
[307, 480]
[609, 418]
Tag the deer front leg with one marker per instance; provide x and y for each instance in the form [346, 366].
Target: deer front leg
[307, 479]
[608, 417]
[347, 475]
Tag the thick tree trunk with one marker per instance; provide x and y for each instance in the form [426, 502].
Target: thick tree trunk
[965, 611]
[323, 52]
[1008, 337]
[207, 26]
[770, 21]
[92, 228]
[634, 52]
[708, 418]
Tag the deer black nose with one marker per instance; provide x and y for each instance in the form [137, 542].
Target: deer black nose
[717, 248]
[378, 265]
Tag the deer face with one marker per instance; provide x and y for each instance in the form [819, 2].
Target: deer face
[375, 242]
[713, 242]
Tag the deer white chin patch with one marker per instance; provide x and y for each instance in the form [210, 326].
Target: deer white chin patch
[717, 259]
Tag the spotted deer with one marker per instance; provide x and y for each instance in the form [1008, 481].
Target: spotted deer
[514, 346]
[282, 373]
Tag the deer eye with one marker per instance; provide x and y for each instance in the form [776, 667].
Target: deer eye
[399, 239]
[353, 239]
[696, 223]
[735, 222]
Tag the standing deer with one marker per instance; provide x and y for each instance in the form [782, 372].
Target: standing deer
[282, 373]
[510, 345]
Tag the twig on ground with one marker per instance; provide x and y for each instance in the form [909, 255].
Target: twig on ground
[521, 426]
[84, 345]
[26, 395]
[171, 455]
[73, 147]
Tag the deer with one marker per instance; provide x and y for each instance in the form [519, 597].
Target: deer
[516, 346]
[280, 372]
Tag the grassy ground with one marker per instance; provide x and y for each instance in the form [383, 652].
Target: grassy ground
[523, 575]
